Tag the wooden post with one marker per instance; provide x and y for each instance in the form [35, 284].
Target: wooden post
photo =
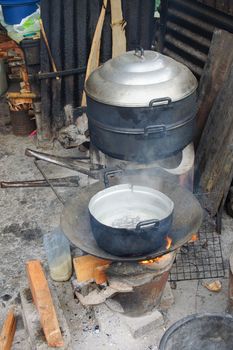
[8, 332]
[44, 303]
[214, 157]
[215, 72]
[118, 29]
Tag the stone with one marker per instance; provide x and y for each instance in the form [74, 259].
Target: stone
[140, 326]
[32, 324]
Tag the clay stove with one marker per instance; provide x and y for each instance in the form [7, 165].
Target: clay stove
[147, 278]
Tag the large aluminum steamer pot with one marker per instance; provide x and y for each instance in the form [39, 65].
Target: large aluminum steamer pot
[130, 220]
[141, 106]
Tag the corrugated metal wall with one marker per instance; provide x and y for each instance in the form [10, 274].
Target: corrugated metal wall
[186, 30]
[70, 26]
[221, 5]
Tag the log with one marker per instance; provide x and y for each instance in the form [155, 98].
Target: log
[89, 267]
[44, 303]
[215, 72]
[8, 331]
[214, 157]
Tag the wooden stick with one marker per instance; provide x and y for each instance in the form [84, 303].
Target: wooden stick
[93, 60]
[48, 47]
[8, 332]
[118, 29]
[44, 303]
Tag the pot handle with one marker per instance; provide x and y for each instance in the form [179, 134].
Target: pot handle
[139, 52]
[160, 101]
[109, 173]
[145, 223]
[154, 129]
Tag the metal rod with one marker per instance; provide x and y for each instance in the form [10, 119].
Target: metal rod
[70, 163]
[62, 73]
[71, 181]
[48, 182]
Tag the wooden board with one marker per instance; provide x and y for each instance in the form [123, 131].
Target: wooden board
[214, 157]
[8, 331]
[44, 303]
[93, 60]
[214, 74]
[118, 29]
[89, 267]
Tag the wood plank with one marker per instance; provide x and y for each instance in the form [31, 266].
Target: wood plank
[8, 331]
[89, 267]
[44, 303]
[93, 60]
[214, 74]
[118, 29]
[214, 157]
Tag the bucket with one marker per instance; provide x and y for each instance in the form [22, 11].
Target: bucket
[196, 332]
[15, 10]
[22, 124]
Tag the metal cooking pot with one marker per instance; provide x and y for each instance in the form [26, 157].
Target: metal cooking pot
[141, 106]
[130, 220]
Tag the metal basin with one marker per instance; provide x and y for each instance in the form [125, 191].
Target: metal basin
[196, 332]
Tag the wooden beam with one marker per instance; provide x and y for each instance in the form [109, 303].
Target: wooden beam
[89, 267]
[8, 331]
[118, 29]
[44, 303]
[93, 60]
[214, 157]
[215, 72]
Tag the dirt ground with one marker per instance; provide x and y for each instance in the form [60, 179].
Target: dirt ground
[26, 214]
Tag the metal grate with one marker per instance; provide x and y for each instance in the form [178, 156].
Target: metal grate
[202, 258]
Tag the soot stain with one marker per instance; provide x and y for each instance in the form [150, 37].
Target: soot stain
[23, 231]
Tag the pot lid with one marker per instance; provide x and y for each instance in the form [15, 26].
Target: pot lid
[137, 77]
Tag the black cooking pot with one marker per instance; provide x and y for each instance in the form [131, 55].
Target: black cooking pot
[141, 106]
[142, 134]
[128, 220]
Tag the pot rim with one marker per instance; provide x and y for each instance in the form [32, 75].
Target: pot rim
[124, 188]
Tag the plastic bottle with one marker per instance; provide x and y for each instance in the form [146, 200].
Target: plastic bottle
[57, 249]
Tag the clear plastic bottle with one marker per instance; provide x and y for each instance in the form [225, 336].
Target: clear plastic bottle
[57, 249]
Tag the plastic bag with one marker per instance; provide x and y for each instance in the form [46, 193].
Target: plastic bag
[28, 28]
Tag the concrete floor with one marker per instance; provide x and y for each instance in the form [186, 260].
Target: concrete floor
[26, 214]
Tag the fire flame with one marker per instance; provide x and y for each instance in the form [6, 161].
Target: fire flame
[151, 261]
[169, 242]
[156, 260]
[194, 237]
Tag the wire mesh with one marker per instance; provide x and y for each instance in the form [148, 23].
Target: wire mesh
[202, 258]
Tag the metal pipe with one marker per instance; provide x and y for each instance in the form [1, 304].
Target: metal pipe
[71, 181]
[62, 73]
[70, 163]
